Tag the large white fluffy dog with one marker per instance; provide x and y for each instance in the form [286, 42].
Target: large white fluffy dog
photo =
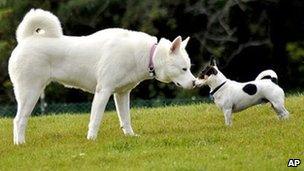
[111, 61]
[232, 96]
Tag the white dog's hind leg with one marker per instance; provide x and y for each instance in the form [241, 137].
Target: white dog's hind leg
[228, 116]
[100, 101]
[122, 102]
[26, 98]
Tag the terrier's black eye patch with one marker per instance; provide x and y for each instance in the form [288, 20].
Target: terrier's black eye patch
[209, 70]
[201, 76]
[250, 89]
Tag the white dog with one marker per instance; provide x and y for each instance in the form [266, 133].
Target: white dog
[232, 96]
[111, 61]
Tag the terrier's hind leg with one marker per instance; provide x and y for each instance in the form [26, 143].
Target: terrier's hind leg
[278, 106]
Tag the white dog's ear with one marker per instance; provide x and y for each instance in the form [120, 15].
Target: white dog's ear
[176, 44]
[185, 42]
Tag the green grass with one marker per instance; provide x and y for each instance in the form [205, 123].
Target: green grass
[190, 137]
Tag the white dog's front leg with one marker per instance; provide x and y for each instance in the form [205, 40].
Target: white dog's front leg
[228, 117]
[122, 103]
[98, 106]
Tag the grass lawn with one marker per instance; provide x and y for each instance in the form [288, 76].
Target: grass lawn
[190, 137]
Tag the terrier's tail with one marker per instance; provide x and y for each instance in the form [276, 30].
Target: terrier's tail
[268, 74]
[38, 22]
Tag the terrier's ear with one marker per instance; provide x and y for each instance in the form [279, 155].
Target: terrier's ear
[212, 61]
[176, 44]
[185, 42]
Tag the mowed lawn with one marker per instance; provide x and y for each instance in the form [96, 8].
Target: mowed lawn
[191, 137]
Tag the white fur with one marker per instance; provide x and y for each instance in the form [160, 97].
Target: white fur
[111, 61]
[38, 19]
[265, 73]
[231, 97]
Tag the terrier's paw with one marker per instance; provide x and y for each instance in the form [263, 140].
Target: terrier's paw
[284, 117]
[228, 125]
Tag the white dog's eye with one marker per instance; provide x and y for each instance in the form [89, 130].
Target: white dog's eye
[184, 69]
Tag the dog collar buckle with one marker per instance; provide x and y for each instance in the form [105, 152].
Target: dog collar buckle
[151, 72]
[151, 64]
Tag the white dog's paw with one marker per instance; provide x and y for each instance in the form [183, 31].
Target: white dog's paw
[128, 131]
[19, 141]
[91, 136]
[132, 134]
[18, 138]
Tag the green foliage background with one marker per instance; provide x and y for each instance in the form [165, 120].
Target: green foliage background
[245, 36]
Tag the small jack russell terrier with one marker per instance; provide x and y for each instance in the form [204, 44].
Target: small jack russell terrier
[232, 96]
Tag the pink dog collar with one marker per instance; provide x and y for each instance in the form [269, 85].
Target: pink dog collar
[151, 65]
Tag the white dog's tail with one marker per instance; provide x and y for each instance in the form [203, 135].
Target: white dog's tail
[268, 74]
[38, 22]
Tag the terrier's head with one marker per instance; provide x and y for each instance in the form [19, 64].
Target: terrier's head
[207, 74]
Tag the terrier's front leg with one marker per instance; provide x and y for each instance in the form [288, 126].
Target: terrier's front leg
[228, 116]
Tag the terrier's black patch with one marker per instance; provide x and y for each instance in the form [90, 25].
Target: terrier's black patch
[274, 80]
[250, 89]
[209, 70]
